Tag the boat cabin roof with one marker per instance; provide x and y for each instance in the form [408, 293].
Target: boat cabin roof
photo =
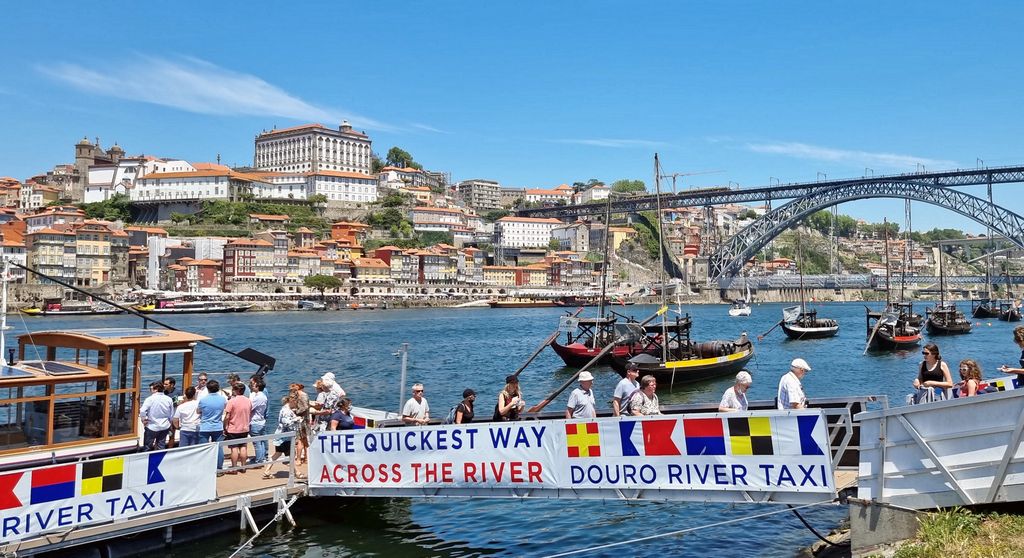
[34, 372]
[112, 338]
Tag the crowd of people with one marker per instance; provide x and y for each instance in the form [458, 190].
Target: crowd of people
[206, 412]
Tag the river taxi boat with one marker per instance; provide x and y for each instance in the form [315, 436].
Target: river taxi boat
[61, 307]
[945, 319]
[174, 306]
[72, 394]
[799, 322]
[666, 352]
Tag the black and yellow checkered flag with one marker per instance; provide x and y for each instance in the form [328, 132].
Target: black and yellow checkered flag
[102, 476]
[751, 436]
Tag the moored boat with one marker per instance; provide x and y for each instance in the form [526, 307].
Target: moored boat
[60, 307]
[889, 331]
[946, 320]
[523, 303]
[667, 353]
[586, 341]
[739, 308]
[801, 323]
[311, 305]
[1009, 311]
[173, 306]
[983, 308]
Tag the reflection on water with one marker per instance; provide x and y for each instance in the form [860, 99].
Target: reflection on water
[453, 349]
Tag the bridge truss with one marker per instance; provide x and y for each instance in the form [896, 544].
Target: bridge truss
[735, 252]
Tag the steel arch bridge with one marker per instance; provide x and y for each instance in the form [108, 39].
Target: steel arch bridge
[734, 253]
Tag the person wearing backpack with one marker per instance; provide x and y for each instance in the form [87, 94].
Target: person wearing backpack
[463, 412]
[625, 388]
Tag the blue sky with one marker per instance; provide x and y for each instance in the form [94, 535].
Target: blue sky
[534, 93]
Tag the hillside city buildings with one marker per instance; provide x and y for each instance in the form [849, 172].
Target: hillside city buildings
[330, 169]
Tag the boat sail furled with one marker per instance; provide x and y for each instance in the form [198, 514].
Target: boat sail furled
[893, 328]
[945, 319]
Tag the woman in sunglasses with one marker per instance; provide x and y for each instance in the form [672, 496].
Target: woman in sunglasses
[933, 373]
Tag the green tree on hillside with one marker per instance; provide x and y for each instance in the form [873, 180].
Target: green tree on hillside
[398, 157]
[112, 209]
[321, 283]
[626, 186]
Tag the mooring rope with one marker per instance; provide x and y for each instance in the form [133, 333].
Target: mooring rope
[684, 531]
[276, 518]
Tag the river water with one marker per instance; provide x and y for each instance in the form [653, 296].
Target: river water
[451, 349]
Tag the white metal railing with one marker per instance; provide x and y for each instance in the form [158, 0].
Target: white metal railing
[944, 453]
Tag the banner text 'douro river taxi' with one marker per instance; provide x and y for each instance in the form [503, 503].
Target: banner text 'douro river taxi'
[764, 451]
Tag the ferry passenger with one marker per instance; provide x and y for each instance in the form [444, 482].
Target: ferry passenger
[735, 398]
[332, 384]
[416, 409]
[287, 421]
[258, 422]
[228, 392]
[170, 385]
[156, 414]
[201, 388]
[625, 388]
[581, 401]
[341, 419]
[186, 419]
[302, 410]
[932, 373]
[464, 410]
[645, 401]
[510, 400]
[791, 391]
[211, 418]
[1018, 338]
[970, 376]
[237, 414]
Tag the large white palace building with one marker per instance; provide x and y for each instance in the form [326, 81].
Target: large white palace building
[313, 148]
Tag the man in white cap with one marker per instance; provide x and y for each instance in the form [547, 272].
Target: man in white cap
[735, 398]
[791, 391]
[581, 402]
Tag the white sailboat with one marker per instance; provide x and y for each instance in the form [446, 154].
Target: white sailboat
[742, 306]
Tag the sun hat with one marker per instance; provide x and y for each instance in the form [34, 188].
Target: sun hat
[586, 376]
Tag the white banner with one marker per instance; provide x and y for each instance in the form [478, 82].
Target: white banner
[59, 497]
[775, 451]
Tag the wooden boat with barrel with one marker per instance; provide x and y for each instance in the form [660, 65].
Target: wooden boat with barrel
[801, 323]
[666, 352]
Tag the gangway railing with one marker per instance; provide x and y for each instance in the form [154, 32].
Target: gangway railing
[957, 452]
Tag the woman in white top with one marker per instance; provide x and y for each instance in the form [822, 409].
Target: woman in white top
[287, 421]
[735, 398]
[186, 419]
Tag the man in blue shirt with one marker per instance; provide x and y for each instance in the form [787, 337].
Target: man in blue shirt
[211, 418]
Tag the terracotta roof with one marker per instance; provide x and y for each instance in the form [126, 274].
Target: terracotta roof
[303, 254]
[370, 262]
[249, 242]
[12, 243]
[539, 192]
[149, 230]
[210, 166]
[389, 247]
[304, 230]
[206, 263]
[415, 188]
[50, 230]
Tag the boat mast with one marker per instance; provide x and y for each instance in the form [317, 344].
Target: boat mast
[906, 252]
[6, 270]
[800, 268]
[888, 272]
[942, 280]
[604, 267]
[661, 258]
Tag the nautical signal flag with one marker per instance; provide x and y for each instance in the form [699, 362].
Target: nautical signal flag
[1005, 384]
[751, 436]
[8, 499]
[153, 474]
[53, 483]
[583, 439]
[654, 437]
[806, 425]
[363, 422]
[102, 475]
[704, 436]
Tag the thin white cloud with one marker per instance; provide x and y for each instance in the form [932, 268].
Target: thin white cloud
[861, 158]
[610, 142]
[198, 86]
[427, 128]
